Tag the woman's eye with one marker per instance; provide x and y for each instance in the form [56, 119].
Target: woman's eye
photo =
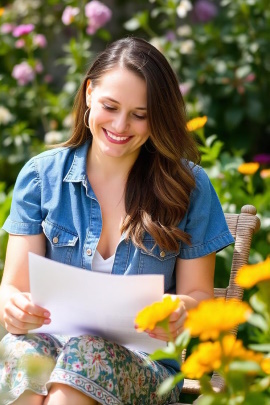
[107, 107]
[140, 117]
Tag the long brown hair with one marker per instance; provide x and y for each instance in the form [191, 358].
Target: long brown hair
[160, 182]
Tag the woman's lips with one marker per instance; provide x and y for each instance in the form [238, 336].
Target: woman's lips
[116, 139]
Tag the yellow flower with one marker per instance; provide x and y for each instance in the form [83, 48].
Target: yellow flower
[206, 358]
[248, 168]
[149, 316]
[251, 274]
[265, 365]
[265, 173]
[211, 317]
[210, 356]
[2, 10]
[196, 123]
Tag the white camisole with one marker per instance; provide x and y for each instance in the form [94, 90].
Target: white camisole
[102, 265]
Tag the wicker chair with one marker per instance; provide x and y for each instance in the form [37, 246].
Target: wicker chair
[242, 227]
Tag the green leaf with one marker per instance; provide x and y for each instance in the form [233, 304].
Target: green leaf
[183, 340]
[205, 384]
[245, 366]
[264, 347]
[132, 25]
[257, 303]
[258, 321]
[168, 352]
[243, 71]
[170, 383]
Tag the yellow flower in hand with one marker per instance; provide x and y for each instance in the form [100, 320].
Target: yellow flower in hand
[248, 168]
[211, 317]
[196, 123]
[149, 316]
[251, 274]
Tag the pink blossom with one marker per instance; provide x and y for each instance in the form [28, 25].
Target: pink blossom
[204, 10]
[40, 41]
[23, 29]
[20, 43]
[39, 67]
[48, 78]
[98, 15]
[170, 36]
[250, 78]
[262, 158]
[69, 14]
[23, 73]
[185, 88]
[6, 28]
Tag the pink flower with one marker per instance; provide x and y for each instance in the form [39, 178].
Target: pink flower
[204, 10]
[98, 15]
[69, 14]
[20, 43]
[38, 67]
[6, 28]
[170, 36]
[40, 41]
[262, 158]
[23, 73]
[250, 78]
[23, 29]
[185, 88]
[48, 78]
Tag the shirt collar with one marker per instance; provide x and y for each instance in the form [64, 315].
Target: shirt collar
[77, 171]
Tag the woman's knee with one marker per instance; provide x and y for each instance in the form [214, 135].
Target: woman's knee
[62, 394]
[29, 398]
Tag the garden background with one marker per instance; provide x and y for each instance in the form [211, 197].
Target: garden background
[219, 50]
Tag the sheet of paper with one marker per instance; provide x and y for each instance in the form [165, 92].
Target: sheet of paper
[86, 302]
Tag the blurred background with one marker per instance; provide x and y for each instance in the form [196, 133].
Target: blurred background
[219, 50]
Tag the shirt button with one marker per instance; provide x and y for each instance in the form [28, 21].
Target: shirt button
[55, 239]
[162, 254]
[89, 252]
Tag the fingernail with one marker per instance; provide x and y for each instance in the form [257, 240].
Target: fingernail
[47, 314]
[47, 321]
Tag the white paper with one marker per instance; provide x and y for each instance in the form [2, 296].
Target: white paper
[85, 302]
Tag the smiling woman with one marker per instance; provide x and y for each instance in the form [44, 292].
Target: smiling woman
[124, 195]
[115, 118]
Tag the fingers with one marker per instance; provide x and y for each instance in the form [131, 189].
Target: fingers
[176, 322]
[21, 315]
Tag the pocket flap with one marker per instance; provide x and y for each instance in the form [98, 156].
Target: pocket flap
[59, 236]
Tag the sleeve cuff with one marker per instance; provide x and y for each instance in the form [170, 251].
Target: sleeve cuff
[215, 245]
[22, 228]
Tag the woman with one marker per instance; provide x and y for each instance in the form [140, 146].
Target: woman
[121, 196]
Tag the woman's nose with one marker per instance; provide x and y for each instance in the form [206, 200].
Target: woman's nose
[121, 123]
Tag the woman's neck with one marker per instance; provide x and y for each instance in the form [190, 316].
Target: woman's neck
[107, 167]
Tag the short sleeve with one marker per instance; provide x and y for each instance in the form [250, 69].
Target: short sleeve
[205, 220]
[25, 214]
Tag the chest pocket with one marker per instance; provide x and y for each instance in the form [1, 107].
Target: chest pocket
[158, 261]
[60, 243]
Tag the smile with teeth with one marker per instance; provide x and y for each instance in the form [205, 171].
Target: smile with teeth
[114, 137]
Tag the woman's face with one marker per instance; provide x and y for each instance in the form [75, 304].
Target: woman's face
[118, 114]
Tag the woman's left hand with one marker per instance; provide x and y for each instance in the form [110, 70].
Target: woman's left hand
[176, 322]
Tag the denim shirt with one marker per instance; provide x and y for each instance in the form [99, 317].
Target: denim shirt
[53, 195]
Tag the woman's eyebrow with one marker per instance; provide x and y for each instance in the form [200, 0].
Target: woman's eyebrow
[117, 102]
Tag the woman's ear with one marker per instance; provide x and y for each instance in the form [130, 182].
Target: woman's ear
[88, 93]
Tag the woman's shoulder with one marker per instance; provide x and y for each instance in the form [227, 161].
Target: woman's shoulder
[200, 175]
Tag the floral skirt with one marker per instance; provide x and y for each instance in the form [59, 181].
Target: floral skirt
[105, 371]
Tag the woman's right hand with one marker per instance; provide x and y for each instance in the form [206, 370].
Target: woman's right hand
[21, 314]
